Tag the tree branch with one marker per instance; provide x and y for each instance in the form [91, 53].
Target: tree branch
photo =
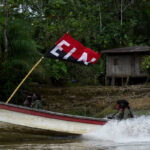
[128, 5]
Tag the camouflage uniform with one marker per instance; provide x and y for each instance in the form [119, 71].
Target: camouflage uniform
[37, 104]
[124, 114]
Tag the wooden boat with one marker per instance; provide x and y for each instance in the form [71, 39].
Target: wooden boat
[24, 119]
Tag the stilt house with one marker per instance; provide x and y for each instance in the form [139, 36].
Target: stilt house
[125, 63]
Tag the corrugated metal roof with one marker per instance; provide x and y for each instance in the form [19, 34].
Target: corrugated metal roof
[132, 49]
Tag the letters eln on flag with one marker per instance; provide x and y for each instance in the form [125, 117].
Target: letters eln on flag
[69, 49]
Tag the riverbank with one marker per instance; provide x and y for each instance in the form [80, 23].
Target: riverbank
[96, 101]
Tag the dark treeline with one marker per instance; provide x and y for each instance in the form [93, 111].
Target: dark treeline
[29, 28]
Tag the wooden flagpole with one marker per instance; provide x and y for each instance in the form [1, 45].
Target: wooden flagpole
[24, 80]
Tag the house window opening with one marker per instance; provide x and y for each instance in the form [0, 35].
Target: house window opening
[115, 62]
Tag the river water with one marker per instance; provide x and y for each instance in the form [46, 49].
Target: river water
[131, 134]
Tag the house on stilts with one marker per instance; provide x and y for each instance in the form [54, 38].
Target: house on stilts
[124, 64]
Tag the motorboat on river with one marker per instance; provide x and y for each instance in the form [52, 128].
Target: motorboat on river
[24, 119]
[72, 51]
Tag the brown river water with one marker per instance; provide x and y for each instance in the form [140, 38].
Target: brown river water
[131, 134]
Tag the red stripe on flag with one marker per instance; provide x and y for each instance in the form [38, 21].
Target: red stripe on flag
[80, 53]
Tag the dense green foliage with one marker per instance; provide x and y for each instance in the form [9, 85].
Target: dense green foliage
[33, 26]
[146, 65]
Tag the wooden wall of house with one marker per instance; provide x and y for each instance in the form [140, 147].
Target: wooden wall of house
[124, 65]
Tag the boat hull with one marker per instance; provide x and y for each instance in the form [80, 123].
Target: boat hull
[45, 122]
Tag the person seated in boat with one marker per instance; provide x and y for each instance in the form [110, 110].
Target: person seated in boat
[124, 111]
[36, 101]
[28, 101]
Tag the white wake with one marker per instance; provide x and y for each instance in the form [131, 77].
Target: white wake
[130, 130]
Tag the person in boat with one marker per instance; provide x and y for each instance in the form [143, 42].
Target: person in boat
[124, 111]
[28, 101]
[36, 101]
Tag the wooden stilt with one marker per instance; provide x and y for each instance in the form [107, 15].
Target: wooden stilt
[113, 81]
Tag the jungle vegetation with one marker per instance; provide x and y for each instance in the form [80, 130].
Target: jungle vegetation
[29, 28]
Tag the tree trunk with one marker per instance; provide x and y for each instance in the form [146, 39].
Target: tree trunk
[121, 11]
[5, 28]
[100, 18]
[0, 51]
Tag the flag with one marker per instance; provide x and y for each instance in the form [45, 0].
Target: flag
[67, 48]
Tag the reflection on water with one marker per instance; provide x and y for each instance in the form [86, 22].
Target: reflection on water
[76, 144]
[125, 135]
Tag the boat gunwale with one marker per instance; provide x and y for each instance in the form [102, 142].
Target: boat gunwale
[67, 117]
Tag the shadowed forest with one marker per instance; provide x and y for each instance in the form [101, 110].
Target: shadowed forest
[29, 28]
